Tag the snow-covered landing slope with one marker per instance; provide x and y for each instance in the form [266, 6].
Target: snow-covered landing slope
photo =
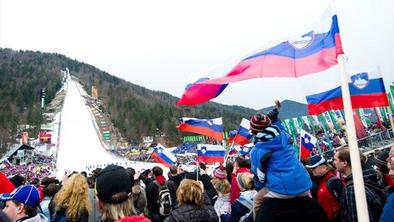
[79, 144]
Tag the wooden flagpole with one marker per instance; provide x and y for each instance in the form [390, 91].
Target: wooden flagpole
[359, 189]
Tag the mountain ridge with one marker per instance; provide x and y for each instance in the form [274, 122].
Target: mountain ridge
[134, 110]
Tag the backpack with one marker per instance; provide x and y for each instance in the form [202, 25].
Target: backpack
[330, 188]
[164, 201]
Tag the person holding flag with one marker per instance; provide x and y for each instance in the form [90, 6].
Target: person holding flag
[273, 157]
[279, 176]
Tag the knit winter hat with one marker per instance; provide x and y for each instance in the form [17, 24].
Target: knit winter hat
[220, 173]
[258, 122]
[113, 180]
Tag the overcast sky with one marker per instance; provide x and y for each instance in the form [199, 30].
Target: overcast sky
[166, 44]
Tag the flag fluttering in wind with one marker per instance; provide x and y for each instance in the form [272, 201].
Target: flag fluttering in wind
[312, 52]
[232, 151]
[245, 150]
[366, 91]
[7, 163]
[231, 136]
[208, 127]
[308, 142]
[163, 156]
[243, 136]
[208, 153]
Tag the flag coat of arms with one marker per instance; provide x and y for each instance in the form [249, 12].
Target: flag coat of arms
[163, 156]
[366, 91]
[209, 153]
[308, 142]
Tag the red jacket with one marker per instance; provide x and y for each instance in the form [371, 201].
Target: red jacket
[326, 199]
[235, 191]
[139, 218]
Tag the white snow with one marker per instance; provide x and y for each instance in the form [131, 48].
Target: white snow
[79, 145]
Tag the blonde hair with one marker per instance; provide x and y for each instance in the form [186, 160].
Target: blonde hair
[245, 181]
[112, 212]
[74, 197]
[190, 191]
[221, 186]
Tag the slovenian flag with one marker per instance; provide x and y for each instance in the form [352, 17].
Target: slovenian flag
[308, 142]
[366, 91]
[163, 156]
[231, 136]
[7, 163]
[208, 127]
[311, 52]
[245, 150]
[208, 153]
[243, 136]
[232, 151]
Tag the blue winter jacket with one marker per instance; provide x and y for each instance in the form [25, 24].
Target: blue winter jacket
[284, 173]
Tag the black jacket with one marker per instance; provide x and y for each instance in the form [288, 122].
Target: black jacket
[303, 209]
[209, 188]
[191, 213]
[61, 216]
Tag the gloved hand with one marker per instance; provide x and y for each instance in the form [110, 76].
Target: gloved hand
[273, 114]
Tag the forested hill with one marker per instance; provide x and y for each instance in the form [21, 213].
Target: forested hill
[136, 111]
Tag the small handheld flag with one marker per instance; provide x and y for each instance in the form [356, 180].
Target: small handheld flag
[308, 142]
[208, 153]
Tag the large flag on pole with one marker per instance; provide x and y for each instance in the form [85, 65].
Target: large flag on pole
[163, 156]
[208, 127]
[311, 52]
[366, 91]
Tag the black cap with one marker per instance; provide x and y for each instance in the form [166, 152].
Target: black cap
[113, 180]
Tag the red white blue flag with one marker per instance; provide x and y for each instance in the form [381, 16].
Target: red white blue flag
[366, 91]
[163, 156]
[308, 142]
[208, 127]
[245, 150]
[312, 52]
[243, 136]
[208, 153]
[7, 163]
